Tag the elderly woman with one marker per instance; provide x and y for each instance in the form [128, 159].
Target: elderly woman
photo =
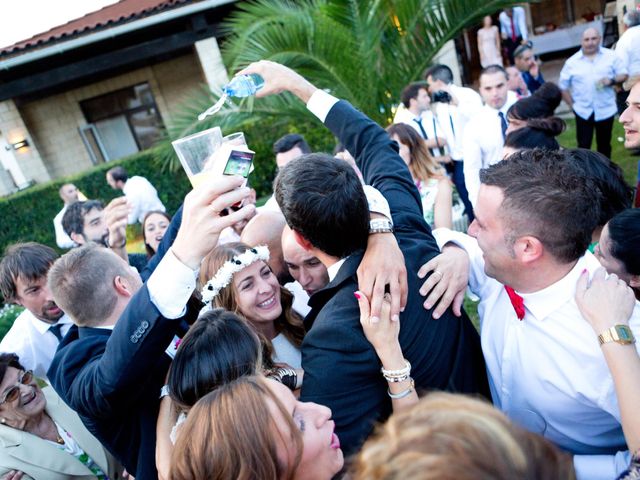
[41, 436]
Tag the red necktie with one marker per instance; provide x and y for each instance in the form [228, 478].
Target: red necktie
[513, 29]
[516, 301]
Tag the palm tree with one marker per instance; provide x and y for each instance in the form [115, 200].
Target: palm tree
[364, 51]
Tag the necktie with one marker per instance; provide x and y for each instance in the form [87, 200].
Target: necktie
[516, 301]
[514, 37]
[55, 329]
[503, 125]
[422, 130]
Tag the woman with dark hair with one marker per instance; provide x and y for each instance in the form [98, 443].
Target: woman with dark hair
[219, 348]
[541, 104]
[254, 428]
[41, 436]
[619, 248]
[616, 194]
[433, 184]
[154, 226]
[539, 133]
[238, 278]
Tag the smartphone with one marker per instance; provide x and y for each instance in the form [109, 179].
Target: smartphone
[239, 163]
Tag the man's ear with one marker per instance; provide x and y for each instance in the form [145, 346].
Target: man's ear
[122, 286]
[77, 237]
[302, 241]
[528, 249]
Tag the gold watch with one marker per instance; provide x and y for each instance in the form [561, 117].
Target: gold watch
[621, 334]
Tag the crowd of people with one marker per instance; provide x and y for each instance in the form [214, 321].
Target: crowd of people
[322, 334]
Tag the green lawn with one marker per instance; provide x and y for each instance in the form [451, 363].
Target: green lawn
[619, 154]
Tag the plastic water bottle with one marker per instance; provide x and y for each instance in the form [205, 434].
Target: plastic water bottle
[244, 85]
[241, 86]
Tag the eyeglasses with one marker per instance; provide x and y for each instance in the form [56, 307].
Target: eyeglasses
[13, 393]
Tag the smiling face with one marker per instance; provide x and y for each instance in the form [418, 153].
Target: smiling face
[29, 404]
[155, 226]
[321, 454]
[35, 296]
[257, 294]
[630, 118]
[489, 229]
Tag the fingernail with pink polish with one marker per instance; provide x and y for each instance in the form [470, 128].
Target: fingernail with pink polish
[357, 295]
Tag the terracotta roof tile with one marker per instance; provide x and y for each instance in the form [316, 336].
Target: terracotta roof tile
[120, 12]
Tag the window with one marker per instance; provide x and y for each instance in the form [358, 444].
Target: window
[123, 122]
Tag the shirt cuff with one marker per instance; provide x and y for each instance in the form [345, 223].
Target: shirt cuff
[597, 467]
[321, 103]
[171, 285]
[377, 202]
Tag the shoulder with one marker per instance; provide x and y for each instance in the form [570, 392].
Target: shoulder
[444, 184]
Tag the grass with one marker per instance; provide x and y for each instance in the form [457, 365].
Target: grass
[619, 154]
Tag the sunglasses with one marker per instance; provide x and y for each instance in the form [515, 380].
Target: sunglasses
[12, 394]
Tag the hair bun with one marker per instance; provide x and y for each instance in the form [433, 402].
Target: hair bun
[551, 125]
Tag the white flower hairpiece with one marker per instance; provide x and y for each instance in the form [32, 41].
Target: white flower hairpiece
[225, 273]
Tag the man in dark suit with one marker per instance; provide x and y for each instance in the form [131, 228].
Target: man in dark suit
[324, 204]
[110, 369]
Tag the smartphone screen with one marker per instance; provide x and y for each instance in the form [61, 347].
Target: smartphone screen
[239, 163]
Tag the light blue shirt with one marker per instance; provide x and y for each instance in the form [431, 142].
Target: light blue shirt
[580, 75]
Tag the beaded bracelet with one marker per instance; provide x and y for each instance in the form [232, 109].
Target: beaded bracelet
[404, 393]
[397, 375]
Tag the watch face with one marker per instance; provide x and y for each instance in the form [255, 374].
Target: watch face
[624, 334]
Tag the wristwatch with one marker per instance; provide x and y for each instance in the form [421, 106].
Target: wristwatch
[621, 334]
[380, 225]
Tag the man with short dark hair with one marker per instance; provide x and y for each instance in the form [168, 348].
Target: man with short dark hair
[69, 194]
[417, 114]
[85, 222]
[534, 218]
[587, 80]
[141, 195]
[37, 331]
[289, 147]
[325, 205]
[485, 133]
[111, 369]
[528, 67]
[454, 108]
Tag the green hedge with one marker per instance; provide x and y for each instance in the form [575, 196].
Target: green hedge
[28, 215]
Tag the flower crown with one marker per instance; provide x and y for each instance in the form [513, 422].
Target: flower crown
[225, 273]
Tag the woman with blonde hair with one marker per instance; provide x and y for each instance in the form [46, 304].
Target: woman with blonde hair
[447, 436]
[238, 278]
[254, 428]
[429, 176]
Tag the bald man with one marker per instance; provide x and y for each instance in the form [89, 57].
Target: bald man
[306, 268]
[587, 80]
[266, 229]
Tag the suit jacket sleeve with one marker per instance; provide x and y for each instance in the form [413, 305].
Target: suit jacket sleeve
[105, 383]
[377, 157]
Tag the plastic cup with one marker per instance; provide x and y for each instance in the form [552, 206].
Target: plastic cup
[197, 153]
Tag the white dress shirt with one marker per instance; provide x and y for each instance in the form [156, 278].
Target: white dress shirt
[453, 119]
[519, 20]
[170, 286]
[628, 49]
[300, 298]
[581, 74]
[483, 143]
[31, 340]
[143, 198]
[430, 125]
[62, 239]
[547, 372]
